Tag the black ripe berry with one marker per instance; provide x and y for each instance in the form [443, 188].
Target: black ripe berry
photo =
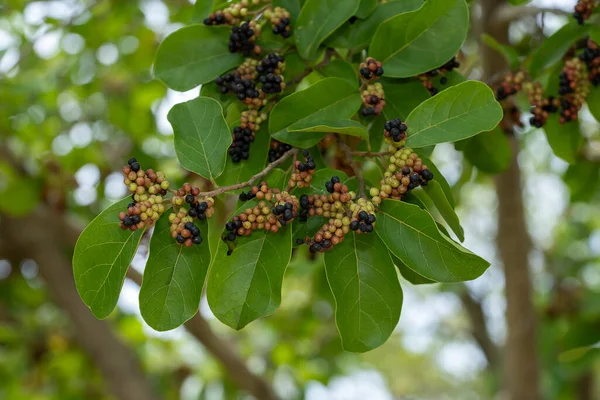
[427, 175]
[135, 166]
[189, 199]
[197, 239]
[299, 241]
[354, 225]
[131, 161]
[240, 148]
[127, 221]
[241, 39]
[180, 239]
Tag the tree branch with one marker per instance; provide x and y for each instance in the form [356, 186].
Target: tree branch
[355, 167]
[113, 358]
[198, 327]
[508, 13]
[256, 177]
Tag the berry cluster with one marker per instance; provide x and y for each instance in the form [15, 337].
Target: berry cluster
[426, 78]
[591, 57]
[511, 84]
[234, 83]
[146, 188]
[280, 20]
[583, 10]
[395, 130]
[244, 134]
[541, 106]
[271, 83]
[573, 89]
[364, 223]
[373, 99]
[277, 150]
[242, 38]
[274, 210]
[219, 18]
[232, 14]
[303, 171]
[183, 229]
[371, 69]
[247, 69]
[272, 64]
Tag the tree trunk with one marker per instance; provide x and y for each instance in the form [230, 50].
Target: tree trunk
[112, 357]
[514, 243]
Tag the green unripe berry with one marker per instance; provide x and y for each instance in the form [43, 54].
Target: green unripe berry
[392, 168]
[133, 187]
[374, 192]
[392, 159]
[395, 183]
[164, 185]
[387, 174]
[376, 200]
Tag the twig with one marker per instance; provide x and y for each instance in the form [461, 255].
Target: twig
[254, 178]
[370, 153]
[357, 171]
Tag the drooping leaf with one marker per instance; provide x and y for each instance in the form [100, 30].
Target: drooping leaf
[324, 99]
[489, 151]
[593, 102]
[365, 8]
[173, 278]
[358, 35]
[345, 127]
[247, 284]
[341, 69]
[101, 259]
[565, 139]
[201, 136]
[194, 55]
[442, 204]
[402, 96]
[583, 180]
[367, 293]
[509, 53]
[412, 235]
[437, 175]
[317, 20]
[409, 274]
[421, 40]
[554, 47]
[456, 113]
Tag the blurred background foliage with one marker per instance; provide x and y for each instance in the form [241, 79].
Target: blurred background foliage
[77, 98]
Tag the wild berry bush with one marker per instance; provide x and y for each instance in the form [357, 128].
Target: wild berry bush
[296, 96]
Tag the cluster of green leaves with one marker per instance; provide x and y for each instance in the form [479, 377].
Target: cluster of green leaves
[362, 270]
[544, 65]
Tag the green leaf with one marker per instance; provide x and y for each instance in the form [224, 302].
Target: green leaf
[554, 47]
[489, 151]
[401, 97]
[247, 284]
[277, 178]
[328, 97]
[202, 10]
[409, 274]
[346, 127]
[173, 278]
[358, 35]
[509, 53]
[421, 40]
[412, 235]
[438, 197]
[308, 228]
[456, 113]
[101, 259]
[340, 69]
[317, 20]
[211, 90]
[201, 136]
[242, 171]
[365, 8]
[194, 55]
[367, 293]
[437, 175]
[583, 180]
[593, 102]
[565, 139]
[293, 6]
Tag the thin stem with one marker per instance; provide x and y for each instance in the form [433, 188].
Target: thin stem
[254, 178]
[357, 171]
